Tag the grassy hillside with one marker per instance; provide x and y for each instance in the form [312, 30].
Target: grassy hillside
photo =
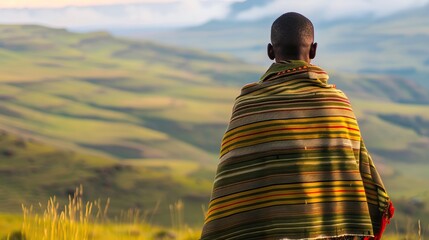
[141, 122]
[116, 97]
[96, 106]
[32, 171]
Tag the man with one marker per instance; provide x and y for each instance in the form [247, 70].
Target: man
[293, 164]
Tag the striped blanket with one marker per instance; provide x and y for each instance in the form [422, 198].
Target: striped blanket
[293, 164]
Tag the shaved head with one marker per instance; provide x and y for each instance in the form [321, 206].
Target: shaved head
[292, 36]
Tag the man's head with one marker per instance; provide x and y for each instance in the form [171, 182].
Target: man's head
[292, 37]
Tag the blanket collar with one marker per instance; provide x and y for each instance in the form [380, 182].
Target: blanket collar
[294, 67]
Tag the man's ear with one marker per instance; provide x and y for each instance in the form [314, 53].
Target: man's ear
[313, 50]
[270, 51]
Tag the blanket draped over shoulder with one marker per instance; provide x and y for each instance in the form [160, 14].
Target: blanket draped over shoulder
[293, 164]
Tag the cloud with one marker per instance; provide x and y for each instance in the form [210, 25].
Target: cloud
[68, 3]
[332, 9]
[101, 14]
[150, 15]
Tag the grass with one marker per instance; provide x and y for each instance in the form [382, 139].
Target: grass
[31, 170]
[179, 170]
[9, 223]
[79, 220]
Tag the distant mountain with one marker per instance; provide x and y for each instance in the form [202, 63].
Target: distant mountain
[394, 45]
[142, 122]
[239, 7]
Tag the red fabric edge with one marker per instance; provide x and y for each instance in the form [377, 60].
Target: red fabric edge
[384, 221]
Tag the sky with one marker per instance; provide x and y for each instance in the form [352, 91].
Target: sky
[334, 9]
[181, 13]
[64, 3]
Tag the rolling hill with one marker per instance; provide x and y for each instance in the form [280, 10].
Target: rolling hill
[141, 122]
[31, 171]
[99, 93]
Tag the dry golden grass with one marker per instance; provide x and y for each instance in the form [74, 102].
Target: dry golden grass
[79, 220]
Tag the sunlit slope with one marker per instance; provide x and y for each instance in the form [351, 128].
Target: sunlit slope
[128, 99]
[32, 171]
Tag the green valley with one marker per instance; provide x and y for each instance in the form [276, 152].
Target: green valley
[141, 122]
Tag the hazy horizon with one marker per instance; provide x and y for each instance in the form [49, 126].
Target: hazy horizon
[150, 14]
